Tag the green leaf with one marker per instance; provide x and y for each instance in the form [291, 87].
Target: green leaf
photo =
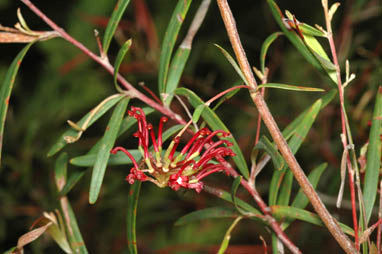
[169, 40]
[75, 238]
[310, 30]
[227, 197]
[300, 45]
[198, 112]
[112, 25]
[60, 170]
[277, 159]
[290, 129]
[288, 212]
[6, 89]
[301, 200]
[119, 158]
[74, 178]
[120, 56]
[90, 117]
[370, 186]
[74, 235]
[175, 72]
[107, 144]
[132, 204]
[290, 87]
[234, 187]
[232, 62]
[216, 124]
[171, 131]
[227, 236]
[294, 143]
[217, 212]
[264, 48]
[181, 56]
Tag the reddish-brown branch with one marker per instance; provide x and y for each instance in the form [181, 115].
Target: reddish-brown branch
[343, 122]
[133, 92]
[267, 117]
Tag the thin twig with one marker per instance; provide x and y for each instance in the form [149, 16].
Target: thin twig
[105, 64]
[299, 174]
[345, 134]
[196, 23]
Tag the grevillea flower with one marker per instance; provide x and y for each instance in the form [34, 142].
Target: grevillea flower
[200, 157]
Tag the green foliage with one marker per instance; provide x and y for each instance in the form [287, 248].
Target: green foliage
[57, 83]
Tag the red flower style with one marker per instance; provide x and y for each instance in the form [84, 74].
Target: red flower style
[184, 170]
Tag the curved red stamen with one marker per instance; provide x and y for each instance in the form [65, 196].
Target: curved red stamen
[222, 151]
[212, 170]
[207, 139]
[119, 148]
[176, 143]
[151, 129]
[214, 145]
[194, 147]
[184, 166]
[161, 122]
[201, 132]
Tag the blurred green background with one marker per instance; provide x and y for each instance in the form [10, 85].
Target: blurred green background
[57, 82]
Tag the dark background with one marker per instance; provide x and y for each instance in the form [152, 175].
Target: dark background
[56, 82]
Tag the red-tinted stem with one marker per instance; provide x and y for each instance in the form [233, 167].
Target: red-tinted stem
[343, 124]
[105, 64]
[225, 92]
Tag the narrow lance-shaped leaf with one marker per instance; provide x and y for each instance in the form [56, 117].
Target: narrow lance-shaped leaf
[183, 52]
[227, 236]
[227, 197]
[169, 40]
[294, 144]
[232, 61]
[89, 118]
[234, 187]
[290, 129]
[175, 72]
[112, 25]
[289, 212]
[217, 212]
[6, 89]
[373, 158]
[264, 48]
[75, 238]
[107, 144]
[73, 179]
[298, 137]
[291, 87]
[119, 158]
[132, 205]
[118, 60]
[300, 45]
[301, 200]
[216, 124]
[266, 144]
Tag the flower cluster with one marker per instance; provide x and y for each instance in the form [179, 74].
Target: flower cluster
[200, 157]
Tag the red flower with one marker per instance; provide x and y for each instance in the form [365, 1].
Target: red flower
[165, 168]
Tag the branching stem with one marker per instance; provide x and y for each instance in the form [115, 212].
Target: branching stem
[267, 117]
[104, 62]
